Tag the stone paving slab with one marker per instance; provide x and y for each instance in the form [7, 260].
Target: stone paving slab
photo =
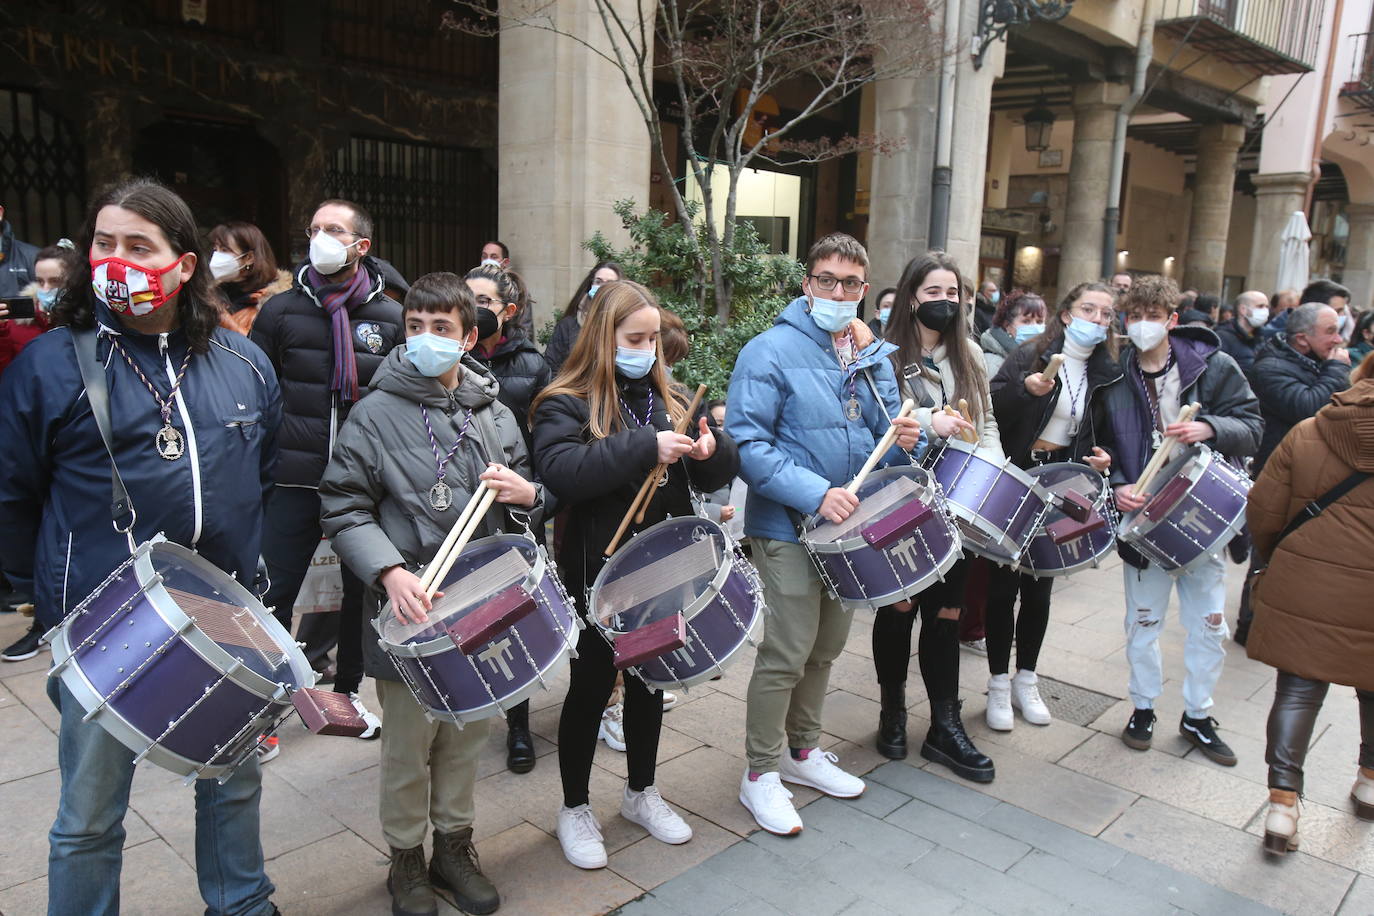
[1074, 823]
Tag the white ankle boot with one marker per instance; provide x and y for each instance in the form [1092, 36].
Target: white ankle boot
[1025, 696]
[1363, 795]
[1000, 717]
[1281, 823]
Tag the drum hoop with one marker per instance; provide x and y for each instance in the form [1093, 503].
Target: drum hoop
[701, 601]
[441, 644]
[199, 642]
[1102, 490]
[896, 470]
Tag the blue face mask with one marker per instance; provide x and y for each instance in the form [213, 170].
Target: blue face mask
[833, 316]
[996, 296]
[633, 363]
[433, 355]
[591, 290]
[1026, 331]
[48, 298]
[1085, 333]
[884, 314]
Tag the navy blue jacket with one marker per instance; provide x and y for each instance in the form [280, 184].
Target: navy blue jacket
[55, 527]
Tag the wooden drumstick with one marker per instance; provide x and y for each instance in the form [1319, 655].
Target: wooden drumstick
[661, 469]
[1165, 450]
[881, 448]
[1052, 368]
[968, 435]
[443, 566]
[428, 577]
[630, 513]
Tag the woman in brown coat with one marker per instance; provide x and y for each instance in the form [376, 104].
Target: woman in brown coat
[1309, 622]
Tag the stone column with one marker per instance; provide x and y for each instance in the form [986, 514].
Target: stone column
[1214, 183]
[1359, 255]
[1094, 124]
[1277, 195]
[570, 143]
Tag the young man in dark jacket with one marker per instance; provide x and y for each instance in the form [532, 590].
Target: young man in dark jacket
[381, 514]
[1240, 336]
[1166, 367]
[194, 410]
[325, 337]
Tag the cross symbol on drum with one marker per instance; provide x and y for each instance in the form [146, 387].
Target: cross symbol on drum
[497, 655]
[1193, 518]
[906, 553]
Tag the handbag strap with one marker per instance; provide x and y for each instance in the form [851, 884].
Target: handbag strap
[1319, 505]
[98, 394]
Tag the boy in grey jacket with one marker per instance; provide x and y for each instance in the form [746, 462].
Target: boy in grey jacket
[429, 433]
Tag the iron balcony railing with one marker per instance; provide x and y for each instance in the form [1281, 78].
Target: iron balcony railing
[1276, 36]
[1361, 63]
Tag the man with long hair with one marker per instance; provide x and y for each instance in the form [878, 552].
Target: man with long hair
[196, 410]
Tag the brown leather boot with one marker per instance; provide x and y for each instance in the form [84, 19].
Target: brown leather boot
[411, 894]
[455, 869]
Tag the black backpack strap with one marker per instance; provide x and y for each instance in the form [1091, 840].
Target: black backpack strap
[1319, 505]
[98, 394]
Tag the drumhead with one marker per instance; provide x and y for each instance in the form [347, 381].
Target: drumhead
[881, 492]
[485, 567]
[662, 570]
[226, 613]
[1065, 476]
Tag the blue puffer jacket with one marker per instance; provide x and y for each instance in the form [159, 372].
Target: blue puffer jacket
[55, 528]
[786, 414]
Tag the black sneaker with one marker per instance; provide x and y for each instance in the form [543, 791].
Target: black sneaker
[1140, 730]
[1203, 733]
[27, 646]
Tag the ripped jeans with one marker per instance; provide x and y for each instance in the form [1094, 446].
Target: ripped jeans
[1201, 600]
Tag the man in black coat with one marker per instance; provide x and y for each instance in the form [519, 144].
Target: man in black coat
[16, 261]
[1240, 337]
[325, 336]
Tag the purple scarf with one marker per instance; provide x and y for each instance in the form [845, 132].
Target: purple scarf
[338, 299]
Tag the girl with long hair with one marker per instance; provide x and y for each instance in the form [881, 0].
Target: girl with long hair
[1044, 422]
[941, 365]
[600, 428]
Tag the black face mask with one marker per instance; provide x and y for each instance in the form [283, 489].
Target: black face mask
[487, 323]
[937, 314]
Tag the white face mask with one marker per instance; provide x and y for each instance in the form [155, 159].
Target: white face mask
[328, 255]
[490, 262]
[1258, 318]
[224, 265]
[1146, 335]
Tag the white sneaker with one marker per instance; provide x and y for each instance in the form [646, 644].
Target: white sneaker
[650, 811]
[669, 700]
[374, 724]
[268, 748]
[1000, 716]
[612, 729]
[769, 803]
[1025, 696]
[819, 772]
[580, 836]
[976, 646]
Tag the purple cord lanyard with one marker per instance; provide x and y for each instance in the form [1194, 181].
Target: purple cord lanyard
[441, 494]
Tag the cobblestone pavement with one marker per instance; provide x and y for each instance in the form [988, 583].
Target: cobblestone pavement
[1075, 822]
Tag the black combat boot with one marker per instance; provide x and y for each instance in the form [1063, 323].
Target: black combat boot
[949, 744]
[519, 745]
[892, 722]
[455, 869]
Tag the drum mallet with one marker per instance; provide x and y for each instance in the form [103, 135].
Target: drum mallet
[1052, 367]
[881, 448]
[452, 536]
[442, 567]
[1164, 452]
[968, 435]
[681, 429]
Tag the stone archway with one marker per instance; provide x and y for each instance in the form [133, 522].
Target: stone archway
[1353, 151]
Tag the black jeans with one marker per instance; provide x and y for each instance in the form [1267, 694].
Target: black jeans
[1297, 700]
[593, 678]
[938, 647]
[290, 535]
[1028, 626]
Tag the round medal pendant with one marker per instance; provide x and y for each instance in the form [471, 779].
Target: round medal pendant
[441, 496]
[852, 410]
[170, 445]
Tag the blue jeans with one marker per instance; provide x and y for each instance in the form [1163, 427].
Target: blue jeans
[86, 843]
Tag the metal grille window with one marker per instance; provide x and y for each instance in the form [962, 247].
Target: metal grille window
[42, 170]
[433, 206]
[407, 37]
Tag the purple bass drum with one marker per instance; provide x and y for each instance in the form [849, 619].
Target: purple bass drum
[1193, 508]
[898, 542]
[507, 668]
[179, 662]
[998, 506]
[1050, 554]
[689, 566]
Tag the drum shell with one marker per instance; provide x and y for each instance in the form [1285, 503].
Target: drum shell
[453, 687]
[998, 506]
[1044, 558]
[1203, 519]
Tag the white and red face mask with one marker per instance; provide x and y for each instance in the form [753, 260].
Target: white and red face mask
[129, 289]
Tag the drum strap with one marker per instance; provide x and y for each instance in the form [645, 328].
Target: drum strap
[98, 394]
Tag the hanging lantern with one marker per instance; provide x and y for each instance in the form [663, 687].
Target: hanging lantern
[1039, 122]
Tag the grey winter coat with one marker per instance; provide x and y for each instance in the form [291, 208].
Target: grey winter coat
[374, 497]
[996, 344]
